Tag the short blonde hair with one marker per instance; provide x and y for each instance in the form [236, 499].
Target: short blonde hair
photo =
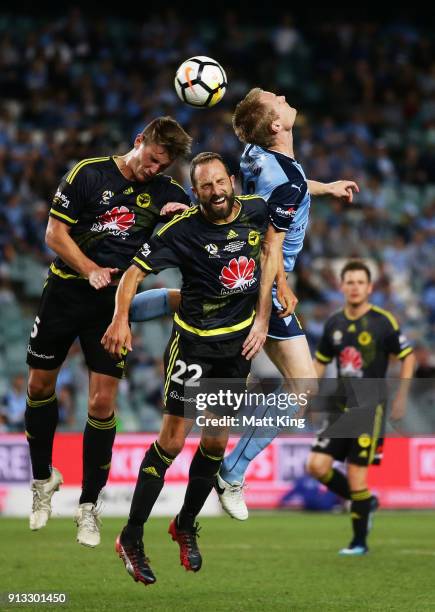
[252, 120]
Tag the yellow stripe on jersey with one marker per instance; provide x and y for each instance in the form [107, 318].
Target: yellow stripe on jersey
[249, 197]
[63, 274]
[185, 215]
[214, 332]
[62, 216]
[142, 263]
[323, 358]
[174, 182]
[71, 176]
[386, 314]
[404, 353]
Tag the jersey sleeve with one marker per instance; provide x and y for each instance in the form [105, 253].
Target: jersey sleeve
[325, 350]
[395, 342]
[284, 202]
[156, 255]
[176, 193]
[71, 196]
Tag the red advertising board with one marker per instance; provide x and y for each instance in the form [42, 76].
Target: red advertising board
[406, 478]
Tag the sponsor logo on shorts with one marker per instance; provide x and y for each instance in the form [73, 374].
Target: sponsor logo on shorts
[38, 355]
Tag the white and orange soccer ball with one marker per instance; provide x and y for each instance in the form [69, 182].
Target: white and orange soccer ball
[201, 81]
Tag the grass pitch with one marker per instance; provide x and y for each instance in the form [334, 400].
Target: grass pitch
[274, 561]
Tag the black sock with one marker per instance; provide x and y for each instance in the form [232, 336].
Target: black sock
[149, 483]
[336, 482]
[360, 509]
[40, 419]
[98, 439]
[202, 474]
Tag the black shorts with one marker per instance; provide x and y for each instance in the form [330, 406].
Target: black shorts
[191, 360]
[365, 449]
[71, 309]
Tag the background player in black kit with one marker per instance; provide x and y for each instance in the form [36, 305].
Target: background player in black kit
[103, 210]
[361, 338]
[217, 246]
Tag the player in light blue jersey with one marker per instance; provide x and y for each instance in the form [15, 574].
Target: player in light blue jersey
[264, 122]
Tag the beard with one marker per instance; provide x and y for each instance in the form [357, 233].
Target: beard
[218, 213]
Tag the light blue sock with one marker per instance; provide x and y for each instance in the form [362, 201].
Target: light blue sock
[149, 305]
[253, 441]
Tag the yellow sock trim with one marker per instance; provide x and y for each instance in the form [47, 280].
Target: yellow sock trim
[212, 457]
[102, 424]
[165, 459]
[360, 495]
[37, 403]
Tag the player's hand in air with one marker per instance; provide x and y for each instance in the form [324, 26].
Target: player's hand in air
[286, 298]
[343, 190]
[172, 208]
[117, 338]
[256, 338]
[101, 277]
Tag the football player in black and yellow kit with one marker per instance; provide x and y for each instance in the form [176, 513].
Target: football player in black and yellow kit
[220, 325]
[103, 210]
[360, 337]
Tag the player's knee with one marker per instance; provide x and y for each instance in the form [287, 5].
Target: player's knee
[216, 448]
[173, 445]
[317, 466]
[101, 404]
[39, 387]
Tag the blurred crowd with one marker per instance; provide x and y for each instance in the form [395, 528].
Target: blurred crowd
[77, 87]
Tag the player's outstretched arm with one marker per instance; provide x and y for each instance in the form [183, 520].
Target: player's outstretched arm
[118, 335]
[271, 250]
[338, 189]
[57, 238]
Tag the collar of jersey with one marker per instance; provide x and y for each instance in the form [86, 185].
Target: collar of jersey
[356, 318]
[280, 153]
[204, 218]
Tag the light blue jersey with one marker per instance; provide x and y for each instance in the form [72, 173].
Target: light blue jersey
[281, 181]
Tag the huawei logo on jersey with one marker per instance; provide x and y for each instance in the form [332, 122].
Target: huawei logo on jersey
[117, 221]
[351, 362]
[238, 274]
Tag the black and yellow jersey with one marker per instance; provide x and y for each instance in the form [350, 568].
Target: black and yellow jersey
[110, 217]
[362, 346]
[220, 266]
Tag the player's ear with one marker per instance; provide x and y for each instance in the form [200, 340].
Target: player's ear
[233, 180]
[195, 193]
[138, 141]
[275, 126]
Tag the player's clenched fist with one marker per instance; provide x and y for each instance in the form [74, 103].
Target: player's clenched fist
[117, 338]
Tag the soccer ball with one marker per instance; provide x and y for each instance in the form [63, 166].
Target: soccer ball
[200, 81]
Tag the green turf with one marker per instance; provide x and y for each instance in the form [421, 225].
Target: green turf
[274, 561]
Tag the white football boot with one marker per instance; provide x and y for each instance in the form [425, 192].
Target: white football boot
[231, 498]
[87, 519]
[43, 491]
